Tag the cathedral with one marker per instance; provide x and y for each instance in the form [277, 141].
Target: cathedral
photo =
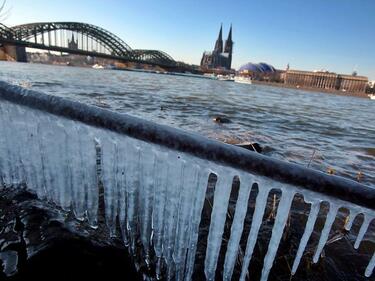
[72, 44]
[220, 57]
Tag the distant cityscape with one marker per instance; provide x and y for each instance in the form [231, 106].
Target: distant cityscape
[94, 47]
[219, 62]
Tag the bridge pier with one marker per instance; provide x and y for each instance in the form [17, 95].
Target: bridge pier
[13, 53]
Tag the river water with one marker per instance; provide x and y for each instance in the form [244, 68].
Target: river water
[321, 130]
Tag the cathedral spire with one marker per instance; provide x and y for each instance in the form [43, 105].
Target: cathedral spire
[219, 41]
[229, 43]
[228, 49]
[230, 34]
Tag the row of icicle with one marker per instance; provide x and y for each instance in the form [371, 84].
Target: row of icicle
[157, 194]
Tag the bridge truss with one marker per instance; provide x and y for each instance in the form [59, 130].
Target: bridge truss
[80, 38]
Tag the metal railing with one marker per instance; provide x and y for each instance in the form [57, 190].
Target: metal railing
[156, 179]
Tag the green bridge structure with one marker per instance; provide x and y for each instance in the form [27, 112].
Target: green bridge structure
[81, 39]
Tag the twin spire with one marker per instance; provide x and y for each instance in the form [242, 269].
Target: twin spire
[221, 56]
[228, 43]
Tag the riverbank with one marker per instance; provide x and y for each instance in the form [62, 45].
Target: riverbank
[40, 241]
[191, 75]
[320, 90]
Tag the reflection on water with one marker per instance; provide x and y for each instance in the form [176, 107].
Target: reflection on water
[329, 131]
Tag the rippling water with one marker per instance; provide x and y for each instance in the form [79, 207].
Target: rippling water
[330, 131]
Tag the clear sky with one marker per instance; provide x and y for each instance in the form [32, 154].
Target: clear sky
[337, 35]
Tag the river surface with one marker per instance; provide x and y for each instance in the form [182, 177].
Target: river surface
[319, 130]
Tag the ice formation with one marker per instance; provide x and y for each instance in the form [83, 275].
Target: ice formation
[156, 194]
[306, 235]
[238, 224]
[325, 232]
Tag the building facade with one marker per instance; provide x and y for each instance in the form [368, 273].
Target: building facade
[326, 80]
[221, 56]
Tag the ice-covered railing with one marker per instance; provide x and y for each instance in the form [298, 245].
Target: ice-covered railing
[155, 181]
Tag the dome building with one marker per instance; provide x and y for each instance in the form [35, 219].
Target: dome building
[259, 71]
[261, 67]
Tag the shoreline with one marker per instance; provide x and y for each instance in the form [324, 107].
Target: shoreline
[317, 90]
[191, 75]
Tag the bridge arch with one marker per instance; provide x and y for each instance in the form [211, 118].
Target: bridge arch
[113, 45]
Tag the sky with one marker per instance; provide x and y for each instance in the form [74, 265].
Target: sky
[336, 35]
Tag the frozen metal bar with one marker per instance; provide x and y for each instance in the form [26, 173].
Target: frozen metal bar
[194, 144]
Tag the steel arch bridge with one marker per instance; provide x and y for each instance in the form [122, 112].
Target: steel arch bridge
[80, 38]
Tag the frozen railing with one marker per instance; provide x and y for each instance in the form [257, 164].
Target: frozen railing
[155, 181]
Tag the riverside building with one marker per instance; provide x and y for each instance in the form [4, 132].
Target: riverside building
[326, 80]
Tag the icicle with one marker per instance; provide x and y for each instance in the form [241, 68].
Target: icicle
[61, 167]
[146, 197]
[83, 171]
[352, 215]
[196, 216]
[11, 176]
[222, 192]
[326, 229]
[160, 195]
[109, 177]
[121, 185]
[5, 169]
[237, 226]
[370, 267]
[17, 137]
[132, 188]
[261, 202]
[89, 171]
[46, 166]
[366, 222]
[306, 235]
[173, 194]
[30, 153]
[53, 146]
[187, 192]
[77, 179]
[277, 230]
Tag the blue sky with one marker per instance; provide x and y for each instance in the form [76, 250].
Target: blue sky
[337, 35]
